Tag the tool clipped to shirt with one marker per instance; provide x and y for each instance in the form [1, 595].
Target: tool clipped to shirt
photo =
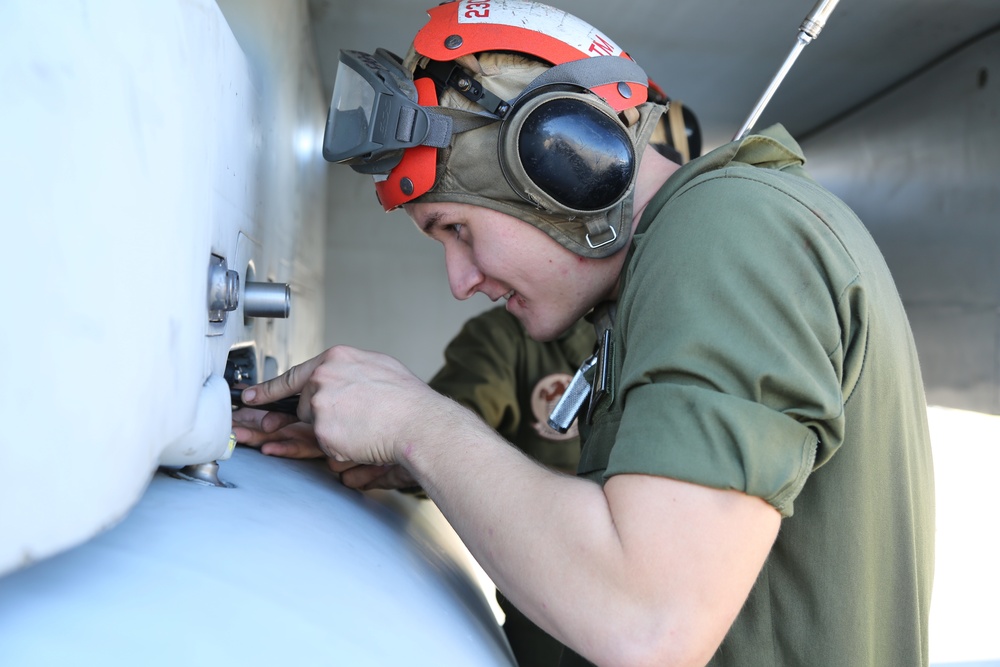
[599, 389]
[580, 389]
[565, 411]
[288, 406]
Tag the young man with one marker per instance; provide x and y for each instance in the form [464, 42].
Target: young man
[755, 370]
[513, 382]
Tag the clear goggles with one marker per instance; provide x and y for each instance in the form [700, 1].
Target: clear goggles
[377, 115]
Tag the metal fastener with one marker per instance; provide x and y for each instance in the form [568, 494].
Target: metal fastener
[223, 289]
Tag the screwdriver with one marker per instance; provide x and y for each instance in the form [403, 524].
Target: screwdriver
[289, 406]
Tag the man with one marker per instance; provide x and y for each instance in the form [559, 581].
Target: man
[513, 382]
[494, 368]
[755, 370]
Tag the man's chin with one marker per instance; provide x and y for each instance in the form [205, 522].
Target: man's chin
[539, 328]
[541, 332]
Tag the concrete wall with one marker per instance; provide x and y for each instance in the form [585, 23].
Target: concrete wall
[387, 289]
[921, 166]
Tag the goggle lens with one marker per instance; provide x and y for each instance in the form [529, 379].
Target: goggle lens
[352, 110]
[377, 124]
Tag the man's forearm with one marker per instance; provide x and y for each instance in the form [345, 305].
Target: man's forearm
[642, 570]
[546, 539]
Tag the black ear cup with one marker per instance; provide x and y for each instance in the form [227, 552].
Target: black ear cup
[567, 152]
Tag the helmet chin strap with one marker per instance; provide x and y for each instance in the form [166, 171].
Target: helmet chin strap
[600, 232]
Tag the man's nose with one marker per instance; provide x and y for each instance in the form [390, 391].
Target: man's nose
[463, 275]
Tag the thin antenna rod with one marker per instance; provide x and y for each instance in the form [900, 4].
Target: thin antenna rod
[808, 31]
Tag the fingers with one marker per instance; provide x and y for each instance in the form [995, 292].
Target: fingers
[366, 477]
[360, 476]
[248, 437]
[272, 422]
[248, 418]
[297, 441]
[340, 466]
[292, 449]
[256, 424]
[288, 383]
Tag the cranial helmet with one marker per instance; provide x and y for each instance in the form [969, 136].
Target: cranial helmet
[507, 104]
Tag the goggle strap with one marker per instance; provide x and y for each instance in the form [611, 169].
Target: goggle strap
[439, 130]
[462, 120]
[442, 124]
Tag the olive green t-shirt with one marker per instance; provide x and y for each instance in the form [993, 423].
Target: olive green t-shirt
[760, 345]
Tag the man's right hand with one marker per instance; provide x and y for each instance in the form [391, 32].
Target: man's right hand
[298, 441]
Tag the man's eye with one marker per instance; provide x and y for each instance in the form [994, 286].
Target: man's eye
[456, 229]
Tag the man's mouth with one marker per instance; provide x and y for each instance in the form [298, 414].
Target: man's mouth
[508, 295]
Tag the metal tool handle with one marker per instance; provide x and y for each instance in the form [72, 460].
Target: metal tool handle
[816, 19]
[562, 416]
[811, 26]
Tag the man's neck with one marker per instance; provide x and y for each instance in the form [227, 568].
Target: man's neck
[654, 170]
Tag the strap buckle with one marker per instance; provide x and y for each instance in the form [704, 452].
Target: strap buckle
[614, 237]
